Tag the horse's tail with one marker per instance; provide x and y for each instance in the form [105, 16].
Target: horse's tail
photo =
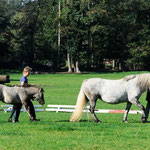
[81, 102]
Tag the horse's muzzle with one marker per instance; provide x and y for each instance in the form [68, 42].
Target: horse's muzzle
[42, 102]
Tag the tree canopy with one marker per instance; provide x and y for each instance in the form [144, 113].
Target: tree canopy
[75, 35]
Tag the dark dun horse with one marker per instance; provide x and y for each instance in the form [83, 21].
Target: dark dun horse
[21, 95]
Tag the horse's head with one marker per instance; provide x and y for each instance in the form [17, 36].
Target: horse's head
[39, 96]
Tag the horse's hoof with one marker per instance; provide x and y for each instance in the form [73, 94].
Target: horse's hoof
[33, 120]
[144, 120]
[124, 121]
[16, 121]
[97, 121]
[9, 120]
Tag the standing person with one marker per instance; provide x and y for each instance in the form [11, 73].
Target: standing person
[16, 109]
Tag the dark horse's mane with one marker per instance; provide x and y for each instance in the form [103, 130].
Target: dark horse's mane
[27, 86]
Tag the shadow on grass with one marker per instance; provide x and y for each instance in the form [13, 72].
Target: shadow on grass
[14, 80]
[70, 122]
[147, 122]
[62, 121]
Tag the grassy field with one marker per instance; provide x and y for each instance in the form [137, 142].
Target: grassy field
[54, 131]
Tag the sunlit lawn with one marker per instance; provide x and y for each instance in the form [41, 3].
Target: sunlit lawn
[54, 131]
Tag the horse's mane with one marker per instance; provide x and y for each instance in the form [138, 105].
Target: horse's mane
[143, 80]
[129, 77]
[29, 85]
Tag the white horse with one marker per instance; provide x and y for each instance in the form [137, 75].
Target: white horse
[128, 89]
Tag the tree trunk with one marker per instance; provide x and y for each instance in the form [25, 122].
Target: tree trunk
[123, 66]
[113, 64]
[74, 66]
[69, 62]
[77, 67]
[59, 10]
[120, 66]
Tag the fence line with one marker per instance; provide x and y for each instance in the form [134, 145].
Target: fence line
[71, 108]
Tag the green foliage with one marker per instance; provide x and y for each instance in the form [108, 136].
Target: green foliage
[90, 31]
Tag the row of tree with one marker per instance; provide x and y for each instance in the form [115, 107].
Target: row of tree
[79, 34]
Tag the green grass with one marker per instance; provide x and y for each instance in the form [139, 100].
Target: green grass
[54, 131]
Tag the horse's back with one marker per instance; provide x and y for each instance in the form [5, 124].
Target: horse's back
[92, 85]
[110, 91]
[1, 92]
[11, 95]
[102, 84]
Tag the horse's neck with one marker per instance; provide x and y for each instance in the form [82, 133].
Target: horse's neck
[144, 81]
[148, 82]
[31, 90]
[1, 92]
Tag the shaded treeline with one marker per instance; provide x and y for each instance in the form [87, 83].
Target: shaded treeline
[75, 34]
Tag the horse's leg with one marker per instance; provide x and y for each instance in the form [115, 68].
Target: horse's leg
[147, 110]
[148, 104]
[25, 105]
[92, 108]
[32, 111]
[138, 104]
[17, 113]
[12, 113]
[92, 99]
[126, 111]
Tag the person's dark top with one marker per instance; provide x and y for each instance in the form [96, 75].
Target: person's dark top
[23, 79]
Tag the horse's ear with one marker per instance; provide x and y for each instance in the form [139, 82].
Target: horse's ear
[41, 90]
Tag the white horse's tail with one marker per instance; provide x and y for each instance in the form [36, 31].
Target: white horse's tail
[81, 102]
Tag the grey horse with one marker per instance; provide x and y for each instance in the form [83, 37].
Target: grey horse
[21, 95]
[128, 89]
